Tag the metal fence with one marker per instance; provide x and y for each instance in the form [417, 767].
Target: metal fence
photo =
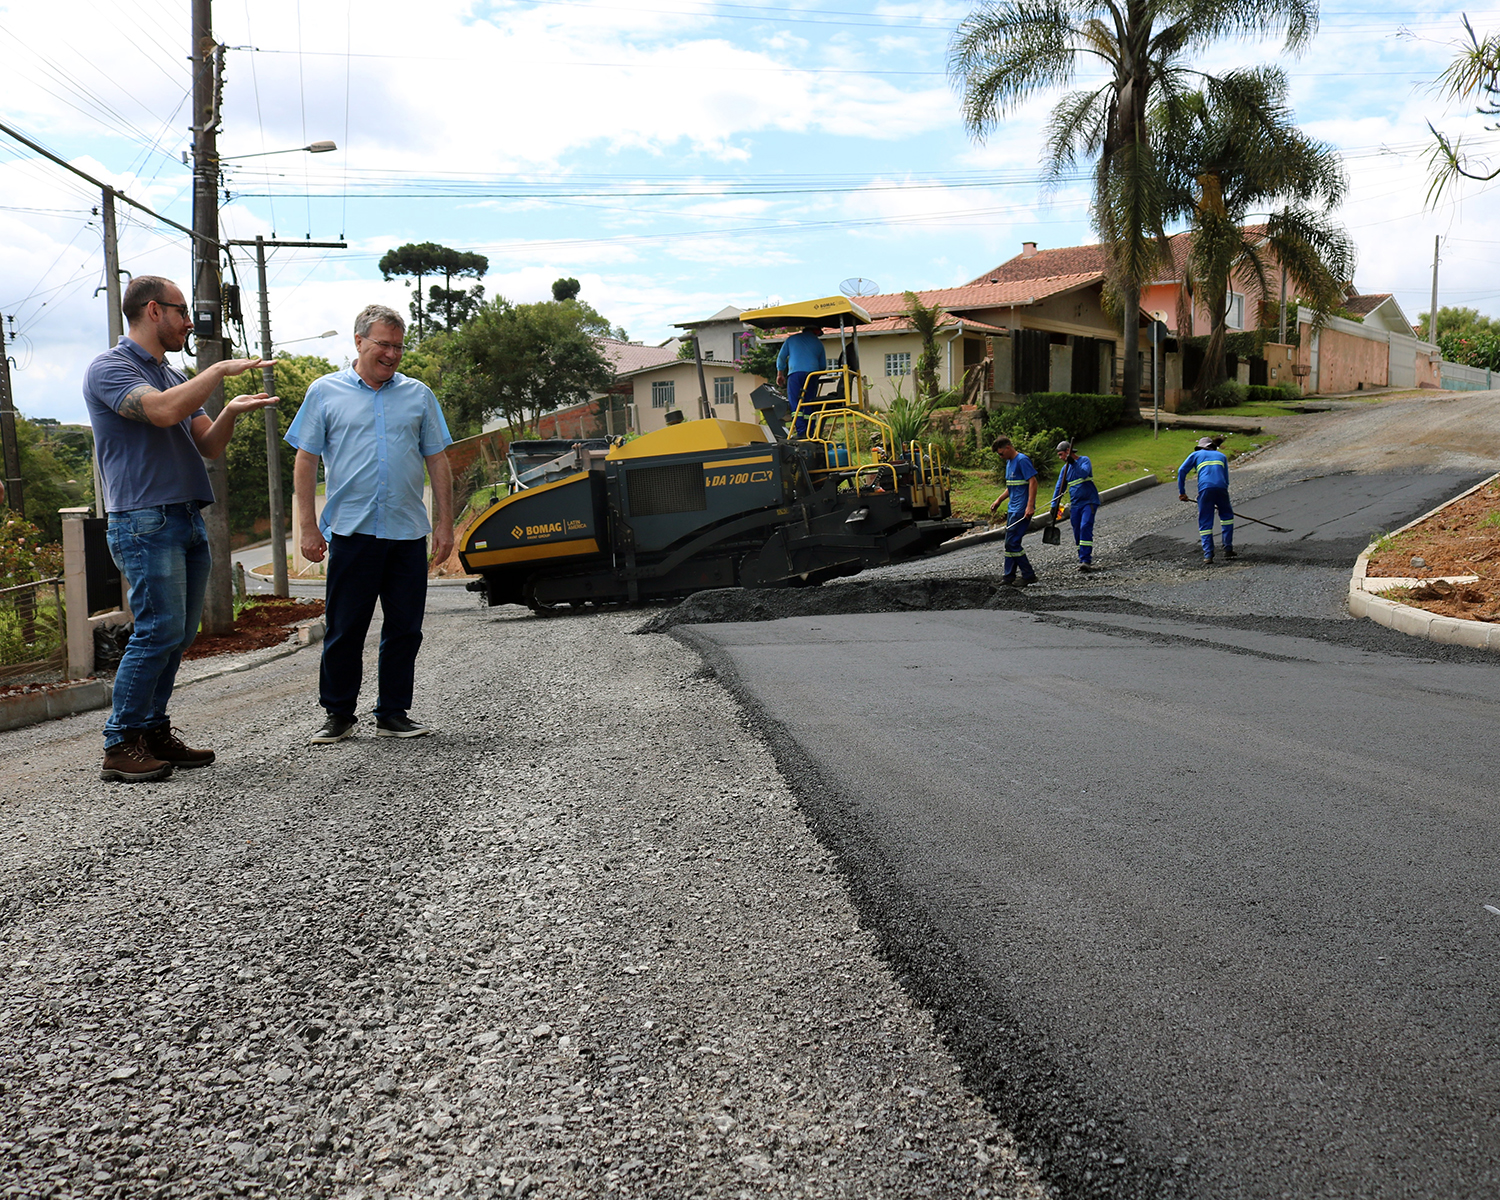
[33, 631]
[1460, 378]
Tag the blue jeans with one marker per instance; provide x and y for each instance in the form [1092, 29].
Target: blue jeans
[163, 554]
[362, 569]
[1209, 499]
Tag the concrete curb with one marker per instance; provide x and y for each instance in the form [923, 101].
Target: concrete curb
[1407, 618]
[1118, 492]
[1199, 421]
[322, 580]
[20, 709]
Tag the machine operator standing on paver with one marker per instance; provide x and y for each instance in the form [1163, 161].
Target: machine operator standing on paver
[1077, 475]
[1212, 467]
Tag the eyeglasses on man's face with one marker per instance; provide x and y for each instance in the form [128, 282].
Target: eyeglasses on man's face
[182, 308]
[393, 347]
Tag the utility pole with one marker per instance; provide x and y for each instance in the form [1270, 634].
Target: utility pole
[208, 304]
[273, 426]
[12, 447]
[1432, 312]
[115, 315]
[704, 410]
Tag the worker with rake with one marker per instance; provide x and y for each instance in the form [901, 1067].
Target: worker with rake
[1212, 467]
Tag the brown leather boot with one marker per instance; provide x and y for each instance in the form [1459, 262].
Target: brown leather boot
[163, 743]
[132, 762]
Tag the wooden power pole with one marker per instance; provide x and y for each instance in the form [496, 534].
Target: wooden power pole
[208, 303]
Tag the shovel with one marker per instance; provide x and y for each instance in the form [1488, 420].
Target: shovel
[1051, 534]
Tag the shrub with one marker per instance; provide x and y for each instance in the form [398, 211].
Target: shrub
[1078, 413]
[25, 553]
[908, 418]
[1225, 394]
[1276, 393]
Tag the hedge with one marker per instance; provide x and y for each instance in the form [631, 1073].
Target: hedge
[1043, 419]
[1079, 413]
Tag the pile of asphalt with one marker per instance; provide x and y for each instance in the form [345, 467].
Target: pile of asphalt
[865, 595]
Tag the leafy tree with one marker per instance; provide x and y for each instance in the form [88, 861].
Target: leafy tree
[1234, 149]
[925, 321]
[1460, 321]
[1474, 74]
[757, 357]
[566, 289]
[245, 456]
[518, 361]
[1008, 51]
[54, 474]
[447, 307]
[1472, 347]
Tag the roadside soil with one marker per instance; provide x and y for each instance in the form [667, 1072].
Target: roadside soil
[1463, 539]
[263, 623]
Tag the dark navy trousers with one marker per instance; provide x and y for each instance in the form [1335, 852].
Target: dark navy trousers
[1209, 500]
[362, 569]
[1082, 517]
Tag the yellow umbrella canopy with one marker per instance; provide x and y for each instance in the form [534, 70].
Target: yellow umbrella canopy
[829, 311]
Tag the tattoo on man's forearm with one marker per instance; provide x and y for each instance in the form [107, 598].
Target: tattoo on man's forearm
[133, 407]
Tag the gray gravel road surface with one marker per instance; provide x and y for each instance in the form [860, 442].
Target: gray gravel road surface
[579, 943]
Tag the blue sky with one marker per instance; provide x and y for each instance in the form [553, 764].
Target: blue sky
[674, 156]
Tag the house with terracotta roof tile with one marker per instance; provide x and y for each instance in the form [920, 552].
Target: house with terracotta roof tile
[1377, 348]
[998, 339]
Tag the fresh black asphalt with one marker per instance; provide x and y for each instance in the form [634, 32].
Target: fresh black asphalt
[1196, 884]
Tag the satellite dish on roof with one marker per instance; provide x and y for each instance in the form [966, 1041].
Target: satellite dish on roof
[859, 287]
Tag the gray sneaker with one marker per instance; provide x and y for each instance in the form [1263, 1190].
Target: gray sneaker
[335, 729]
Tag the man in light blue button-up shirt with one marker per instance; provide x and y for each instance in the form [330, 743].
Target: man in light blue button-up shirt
[375, 430]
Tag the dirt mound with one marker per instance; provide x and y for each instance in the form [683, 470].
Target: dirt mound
[263, 623]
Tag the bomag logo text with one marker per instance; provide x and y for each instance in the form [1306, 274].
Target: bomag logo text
[543, 530]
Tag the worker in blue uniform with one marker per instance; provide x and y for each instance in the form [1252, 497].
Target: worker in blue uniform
[1020, 495]
[801, 355]
[1212, 467]
[1077, 475]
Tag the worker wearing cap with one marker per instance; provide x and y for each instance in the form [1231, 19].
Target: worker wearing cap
[1020, 493]
[1077, 475]
[1212, 467]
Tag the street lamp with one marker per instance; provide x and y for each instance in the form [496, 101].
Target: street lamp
[327, 333]
[314, 148]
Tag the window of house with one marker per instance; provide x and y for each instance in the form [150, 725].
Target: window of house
[1235, 317]
[723, 389]
[663, 393]
[898, 364]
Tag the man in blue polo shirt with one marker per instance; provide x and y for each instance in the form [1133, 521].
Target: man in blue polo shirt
[801, 355]
[152, 435]
[374, 429]
[1212, 467]
[1020, 494]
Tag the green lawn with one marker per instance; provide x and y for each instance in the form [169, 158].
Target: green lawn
[1118, 456]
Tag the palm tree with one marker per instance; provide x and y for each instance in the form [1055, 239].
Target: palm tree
[1007, 51]
[1474, 73]
[1234, 150]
